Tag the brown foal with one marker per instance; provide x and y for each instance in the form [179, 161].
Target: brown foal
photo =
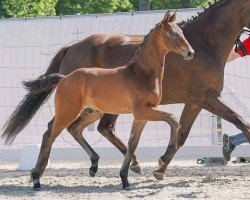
[135, 88]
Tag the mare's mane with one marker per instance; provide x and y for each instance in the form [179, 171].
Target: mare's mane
[211, 6]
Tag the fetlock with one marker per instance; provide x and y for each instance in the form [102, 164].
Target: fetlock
[94, 165]
[34, 175]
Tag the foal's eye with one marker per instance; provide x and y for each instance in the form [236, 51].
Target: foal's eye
[171, 32]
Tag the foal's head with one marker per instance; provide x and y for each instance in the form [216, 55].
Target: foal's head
[173, 38]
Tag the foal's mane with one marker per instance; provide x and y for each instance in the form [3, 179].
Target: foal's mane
[211, 6]
[143, 43]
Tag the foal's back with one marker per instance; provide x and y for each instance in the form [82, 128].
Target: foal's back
[101, 89]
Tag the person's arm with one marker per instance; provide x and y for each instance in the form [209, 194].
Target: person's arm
[236, 53]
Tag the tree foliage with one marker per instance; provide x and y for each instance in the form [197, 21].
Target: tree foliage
[175, 4]
[30, 8]
[34, 8]
[3, 12]
[92, 6]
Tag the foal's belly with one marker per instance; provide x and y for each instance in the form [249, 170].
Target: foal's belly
[112, 103]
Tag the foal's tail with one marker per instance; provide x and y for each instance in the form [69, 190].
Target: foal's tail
[40, 90]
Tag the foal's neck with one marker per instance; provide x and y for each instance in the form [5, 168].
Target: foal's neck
[150, 56]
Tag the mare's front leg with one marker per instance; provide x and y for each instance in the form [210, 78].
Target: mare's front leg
[214, 104]
[136, 131]
[189, 114]
[107, 128]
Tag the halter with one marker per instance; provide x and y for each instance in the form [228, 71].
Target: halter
[239, 43]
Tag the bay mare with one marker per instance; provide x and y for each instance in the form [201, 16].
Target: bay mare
[135, 88]
[196, 83]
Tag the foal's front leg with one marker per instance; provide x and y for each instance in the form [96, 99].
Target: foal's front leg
[141, 117]
[136, 131]
[152, 114]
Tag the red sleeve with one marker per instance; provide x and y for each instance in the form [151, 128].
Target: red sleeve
[246, 44]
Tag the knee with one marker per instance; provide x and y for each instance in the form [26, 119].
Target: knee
[173, 122]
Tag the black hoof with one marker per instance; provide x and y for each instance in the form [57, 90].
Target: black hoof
[91, 173]
[127, 188]
[37, 187]
[125, 185]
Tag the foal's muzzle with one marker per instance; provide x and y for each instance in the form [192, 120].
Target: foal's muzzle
[188, 55]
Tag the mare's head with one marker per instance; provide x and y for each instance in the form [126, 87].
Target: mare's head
[245, 12]
[173, 37]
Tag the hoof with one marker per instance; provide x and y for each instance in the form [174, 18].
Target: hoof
[160, 162]
[92, 174]
[136, 169]
[158, 175]
[37, 187]
[127, 188]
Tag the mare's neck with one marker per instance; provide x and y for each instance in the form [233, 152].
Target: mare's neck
[216, 31]
[150, 57]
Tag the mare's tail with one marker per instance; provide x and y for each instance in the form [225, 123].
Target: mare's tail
[40, 90]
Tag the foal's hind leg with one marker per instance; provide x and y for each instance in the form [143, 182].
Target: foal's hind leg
[67, 110]
[76, 128]
[41, 164]
[107, 128]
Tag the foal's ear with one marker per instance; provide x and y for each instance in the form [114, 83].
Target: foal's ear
[173, 17]
[167, 17]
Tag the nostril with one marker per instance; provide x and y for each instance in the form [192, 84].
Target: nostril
[190, 54]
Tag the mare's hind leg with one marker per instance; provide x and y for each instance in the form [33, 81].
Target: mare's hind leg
[86, 118]
[189, 114]
[107, 128]
[215, 105]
